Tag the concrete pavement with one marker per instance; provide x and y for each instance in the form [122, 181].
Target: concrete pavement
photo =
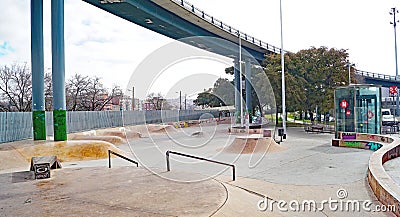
[309, 169]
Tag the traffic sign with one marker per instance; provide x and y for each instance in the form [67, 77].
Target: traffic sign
[348, 113]
[344, 104]
[393, 90]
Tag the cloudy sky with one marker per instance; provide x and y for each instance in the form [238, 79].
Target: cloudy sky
[101, 44]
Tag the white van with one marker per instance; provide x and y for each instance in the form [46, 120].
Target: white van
[387, 118]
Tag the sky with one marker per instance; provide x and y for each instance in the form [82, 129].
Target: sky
[100, 44]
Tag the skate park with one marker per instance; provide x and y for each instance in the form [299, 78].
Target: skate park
[194, 163]
[304, 167]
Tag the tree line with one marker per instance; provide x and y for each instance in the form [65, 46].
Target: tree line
[311, 77]
[83, 93]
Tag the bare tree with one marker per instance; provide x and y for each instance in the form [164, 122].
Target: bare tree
[48, 92]
[114, 96]
[83, 93]
[16, 88]
[96, 94]
[158, 101]
[99, 97]
[76, 90]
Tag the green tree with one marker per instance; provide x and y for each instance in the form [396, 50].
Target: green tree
[295, 95]
[225, 91]
[311, 76]
[208, 99]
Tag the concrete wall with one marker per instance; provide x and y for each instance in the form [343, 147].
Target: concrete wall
[371, 142]
[384, 187]
[18, 125]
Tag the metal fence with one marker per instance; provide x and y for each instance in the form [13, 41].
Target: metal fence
[229, 29]
[376, 75]
[15, 126]
[18, 125]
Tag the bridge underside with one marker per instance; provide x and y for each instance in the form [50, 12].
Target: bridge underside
[169, 18]
[381, 82]
[152, 16]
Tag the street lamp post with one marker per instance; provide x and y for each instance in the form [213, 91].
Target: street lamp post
[240, 80]
[133, 98]
[350, 65]
[180, 100]
[393, 12]
[283, 76]
[185, 101]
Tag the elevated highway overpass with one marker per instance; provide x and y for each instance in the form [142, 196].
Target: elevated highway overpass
[377, 79]
[176, 19]
[382, 80]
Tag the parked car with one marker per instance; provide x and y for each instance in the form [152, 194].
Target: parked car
[387, 118]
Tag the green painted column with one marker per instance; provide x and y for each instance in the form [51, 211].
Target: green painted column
[37, 65]
[58, 74]
[60, 125]
[39, 125]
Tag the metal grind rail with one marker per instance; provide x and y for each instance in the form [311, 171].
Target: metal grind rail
[118, 155]
[199, 158]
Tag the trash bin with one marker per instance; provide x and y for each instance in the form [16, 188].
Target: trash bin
[280, 132]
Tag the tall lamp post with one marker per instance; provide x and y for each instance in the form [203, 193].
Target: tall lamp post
[133, 98]
[350, 65]
[240, 80]
[180, 99]
[393, 12]
[283, 76]
[185, 101]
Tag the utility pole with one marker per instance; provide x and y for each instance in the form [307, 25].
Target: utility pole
[393, 12]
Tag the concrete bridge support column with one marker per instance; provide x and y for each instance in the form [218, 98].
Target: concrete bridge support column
[249, 88]
[58, 65]
[237, 80]
[37, 65]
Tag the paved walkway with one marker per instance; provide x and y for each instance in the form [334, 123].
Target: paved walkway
[99, 191]
[392, 167]
[309, 169]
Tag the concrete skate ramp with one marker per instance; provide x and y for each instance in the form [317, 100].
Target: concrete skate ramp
[121, 132]
[152, 128]
[111, 139]
[116, 136]
[10, 158]
[18, 154]
[253, 144]
[120, 191]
